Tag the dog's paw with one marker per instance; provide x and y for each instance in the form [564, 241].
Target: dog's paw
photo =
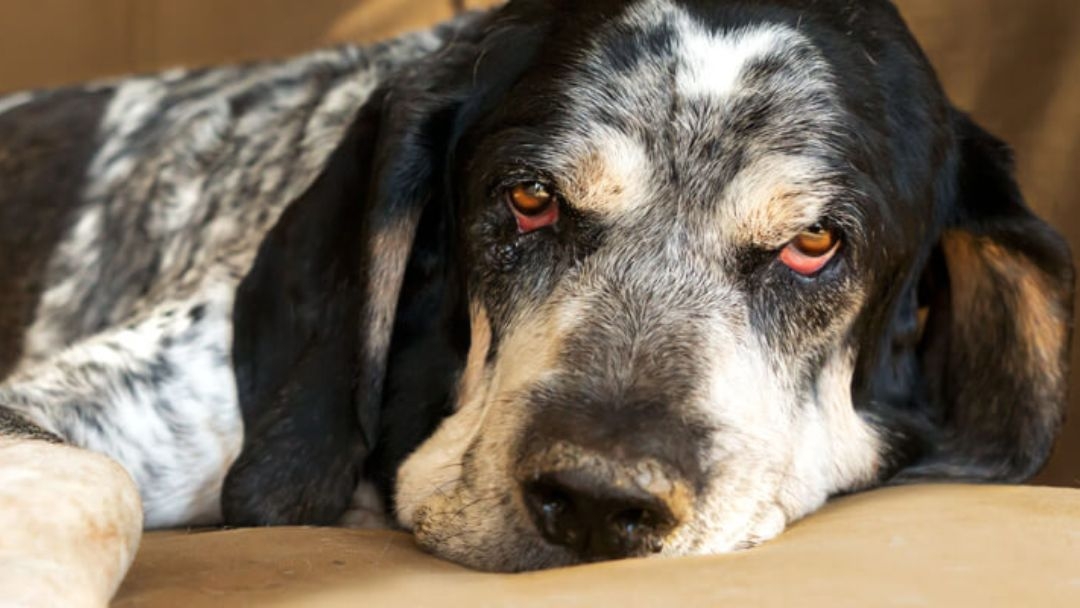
[71, 522]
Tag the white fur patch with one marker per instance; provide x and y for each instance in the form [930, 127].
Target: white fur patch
[835, 450]
[712, 65]
[165, 403]
[778, 458]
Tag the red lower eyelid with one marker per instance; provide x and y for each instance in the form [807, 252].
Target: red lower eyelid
[802, 263]
[529, 223]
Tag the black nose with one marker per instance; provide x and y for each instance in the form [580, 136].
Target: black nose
[597, 517]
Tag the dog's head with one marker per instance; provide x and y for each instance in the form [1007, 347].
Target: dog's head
[678, 271]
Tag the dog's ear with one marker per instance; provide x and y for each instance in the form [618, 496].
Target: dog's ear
[313, 317]
[997, 300]
[342, 287]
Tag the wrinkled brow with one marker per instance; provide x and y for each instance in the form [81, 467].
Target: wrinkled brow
[774, 198]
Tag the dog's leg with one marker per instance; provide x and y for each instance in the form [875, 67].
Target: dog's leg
[147, 409]
[156, 395]
[70, 520]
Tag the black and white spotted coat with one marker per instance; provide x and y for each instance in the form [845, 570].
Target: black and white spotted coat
[120, 341]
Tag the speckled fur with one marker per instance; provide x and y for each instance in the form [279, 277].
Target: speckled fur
[129, 351]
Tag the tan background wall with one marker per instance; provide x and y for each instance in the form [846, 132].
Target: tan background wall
[50, 42]
[1015, 65]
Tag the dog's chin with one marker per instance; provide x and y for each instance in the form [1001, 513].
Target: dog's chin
[484, 535]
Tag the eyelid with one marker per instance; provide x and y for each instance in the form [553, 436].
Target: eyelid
[507, 181]
[825, 222]
[510, 177]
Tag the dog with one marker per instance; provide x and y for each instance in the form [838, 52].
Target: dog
[548, 284]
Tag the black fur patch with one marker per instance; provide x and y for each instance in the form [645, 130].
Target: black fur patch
[46, 147]
[296, 355]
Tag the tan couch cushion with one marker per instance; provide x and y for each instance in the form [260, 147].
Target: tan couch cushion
[912, 546]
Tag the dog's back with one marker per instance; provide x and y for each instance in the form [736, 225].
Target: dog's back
[116, 200]
[129, 214]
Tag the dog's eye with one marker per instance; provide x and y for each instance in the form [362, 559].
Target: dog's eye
[809, 252]
[534, 205]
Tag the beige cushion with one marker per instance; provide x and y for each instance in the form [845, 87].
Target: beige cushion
[911, 546]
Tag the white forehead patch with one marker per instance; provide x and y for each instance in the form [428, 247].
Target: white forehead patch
[712, 65]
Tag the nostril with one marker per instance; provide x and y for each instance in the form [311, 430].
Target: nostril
[553, 511]
[639, 526]
[631, 521]
[553, 503]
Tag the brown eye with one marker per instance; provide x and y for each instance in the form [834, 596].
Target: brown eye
[531, 198]
[815, 241]
[809, 252]
[534, 205]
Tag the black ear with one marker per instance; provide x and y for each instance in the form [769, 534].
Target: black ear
[296, 348]
[313, 318]
[998, 298]
[356, 277]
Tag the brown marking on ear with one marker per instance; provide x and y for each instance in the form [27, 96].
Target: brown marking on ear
[965, 263]
[923, 317]
[982, 271]
[472, 383]
[388, 250]
[999, 367]
[994, 358]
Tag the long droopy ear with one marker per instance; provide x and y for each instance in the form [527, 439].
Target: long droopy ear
[314, 317]
[994, 354]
